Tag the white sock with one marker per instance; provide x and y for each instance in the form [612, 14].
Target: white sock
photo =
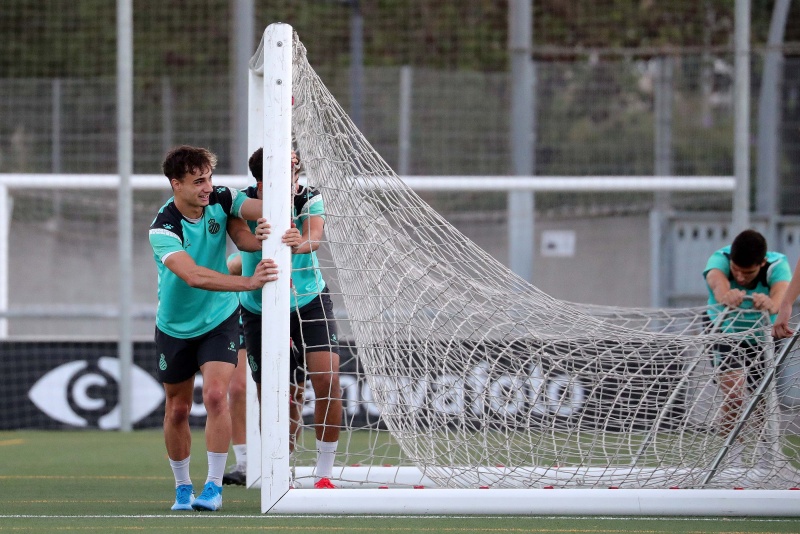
[180, 469]
[326, 452]
[240, 452]
[216, 467]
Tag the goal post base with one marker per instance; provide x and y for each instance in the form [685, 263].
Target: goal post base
[631, 502]
[564, 477]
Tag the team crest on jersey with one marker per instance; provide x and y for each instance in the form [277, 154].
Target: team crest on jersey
[220, 190]
[168, 226]
[213, 226]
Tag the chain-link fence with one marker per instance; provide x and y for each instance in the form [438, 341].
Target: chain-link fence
[440, 68]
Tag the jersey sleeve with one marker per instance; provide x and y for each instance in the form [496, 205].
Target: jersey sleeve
[230, 200]
[166, 232]
[314, 205]
[164, 243]
[237, 199]
[779, 271]
[718, 260]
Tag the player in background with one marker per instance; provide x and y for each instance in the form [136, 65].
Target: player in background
[312, 328]
[743, 269]
[237, 399]
[196, 319]
[781, 328]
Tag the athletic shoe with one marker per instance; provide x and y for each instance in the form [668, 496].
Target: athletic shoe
[184, 497]
[236, 476]
[210, 500]
[324, 483]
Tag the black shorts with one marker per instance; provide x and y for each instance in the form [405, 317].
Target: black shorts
[241, 327]
[747, 356]
[180, 359]
[312, 329]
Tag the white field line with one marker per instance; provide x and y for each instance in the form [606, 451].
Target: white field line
[204, 517]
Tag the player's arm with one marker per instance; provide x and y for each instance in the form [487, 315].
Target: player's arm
[721, 288]
[770, 303]
[201, 277]
[243, 238]
[235, 264]
[311, 236]
[251, 209]
[781, 328]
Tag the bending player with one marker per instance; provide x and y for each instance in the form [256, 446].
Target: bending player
[743, 269]
[196, 321]
[237, 398]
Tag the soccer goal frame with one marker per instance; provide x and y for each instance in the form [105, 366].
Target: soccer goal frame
[270, 126]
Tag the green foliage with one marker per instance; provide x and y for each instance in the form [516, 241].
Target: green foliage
[78, 38]
[57, 39]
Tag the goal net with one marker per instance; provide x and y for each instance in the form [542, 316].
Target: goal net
[456, 373]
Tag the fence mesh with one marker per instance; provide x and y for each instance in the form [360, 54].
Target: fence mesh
[600, 70]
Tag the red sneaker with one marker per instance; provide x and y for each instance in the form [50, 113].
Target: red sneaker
[324, 483]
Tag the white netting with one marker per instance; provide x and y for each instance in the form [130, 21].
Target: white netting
[482, 379]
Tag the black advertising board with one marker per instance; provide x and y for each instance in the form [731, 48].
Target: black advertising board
[74, 384]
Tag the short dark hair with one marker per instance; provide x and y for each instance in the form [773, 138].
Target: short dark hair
[256, 164]
[185, 159]
[748, 249]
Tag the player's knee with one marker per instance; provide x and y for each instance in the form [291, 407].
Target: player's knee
[176, 412]
[215, 399]
[238, 390]
[326, 386]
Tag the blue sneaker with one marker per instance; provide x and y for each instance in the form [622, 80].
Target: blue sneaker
[210, 500]
[184, 496]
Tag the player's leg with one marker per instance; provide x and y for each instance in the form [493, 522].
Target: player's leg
[177, 367]
[323, 370]
[237, 398]
[251, 323]
[217, 356]
[732, 383]
[297, 383]
[296, 396]
[178, 404]
[758, 363]
[216, 379]
[322, 362]
[178, 439]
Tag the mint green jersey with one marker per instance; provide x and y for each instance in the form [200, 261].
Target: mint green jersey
[183, 311]
[776, 269]
[307, 280]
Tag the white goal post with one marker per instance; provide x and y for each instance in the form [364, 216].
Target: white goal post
[494, 397]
